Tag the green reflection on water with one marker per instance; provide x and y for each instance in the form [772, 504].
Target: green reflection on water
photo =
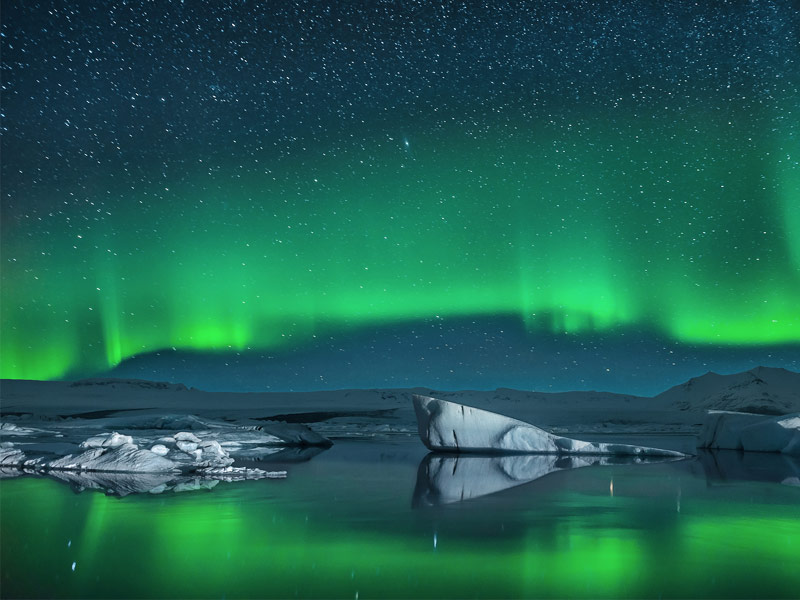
[562, 536]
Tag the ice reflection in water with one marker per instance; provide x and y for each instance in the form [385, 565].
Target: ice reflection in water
[447, 478]
[733, 465]
[342, 524]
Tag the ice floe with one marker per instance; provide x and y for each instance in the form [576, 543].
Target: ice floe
[141, 460]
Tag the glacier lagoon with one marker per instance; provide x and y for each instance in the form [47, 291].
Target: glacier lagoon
[374, 518]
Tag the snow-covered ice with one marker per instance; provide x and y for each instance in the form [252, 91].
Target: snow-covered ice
[10, 456]
[447, 426]
[114, 440]
[754, 433]
[127, 458]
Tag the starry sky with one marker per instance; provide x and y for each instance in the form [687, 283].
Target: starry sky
[311, 195]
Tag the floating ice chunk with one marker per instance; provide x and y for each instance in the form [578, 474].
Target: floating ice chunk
[211, 449]
[185, 436]
[293, 434]
[160, 449]
[187, 447]
[746, 431]
[242, 473]
[447, 426]
[127, 458]
[13, 429]
[11, 457]
[111, 440]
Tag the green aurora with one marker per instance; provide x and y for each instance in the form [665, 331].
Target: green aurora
[687, 226]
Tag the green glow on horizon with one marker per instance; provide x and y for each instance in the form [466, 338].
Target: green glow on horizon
[651, 224]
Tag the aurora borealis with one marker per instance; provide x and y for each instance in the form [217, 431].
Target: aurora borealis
[253, 178]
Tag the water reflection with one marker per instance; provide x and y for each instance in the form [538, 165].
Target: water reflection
[125, 484]
[290, 454]
[720, 466]
[447, 478]
[342, 525]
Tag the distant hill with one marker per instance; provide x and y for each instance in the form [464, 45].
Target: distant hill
[114, 383]
[681, 408]
[762, 390]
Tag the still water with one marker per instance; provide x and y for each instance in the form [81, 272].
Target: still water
[379, 519]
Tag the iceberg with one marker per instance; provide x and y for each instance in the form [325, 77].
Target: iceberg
[115, 464]
[10, 456]
[449, 427]
[751, 432]
[127, 458]
[114, 452]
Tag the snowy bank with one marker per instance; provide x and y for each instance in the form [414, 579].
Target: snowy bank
[447, 426]
[745, 431]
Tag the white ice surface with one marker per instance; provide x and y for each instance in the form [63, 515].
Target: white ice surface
[755, 433]
[11, 457]
[127, 458]
[447, 426]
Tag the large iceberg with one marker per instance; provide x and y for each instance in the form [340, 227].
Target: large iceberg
[450, 427]
[746, 431]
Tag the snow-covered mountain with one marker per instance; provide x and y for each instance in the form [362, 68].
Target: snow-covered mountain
[762, 390]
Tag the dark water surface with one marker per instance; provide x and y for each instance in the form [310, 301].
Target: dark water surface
[378, 519]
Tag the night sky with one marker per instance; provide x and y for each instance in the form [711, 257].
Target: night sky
[310, 195]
